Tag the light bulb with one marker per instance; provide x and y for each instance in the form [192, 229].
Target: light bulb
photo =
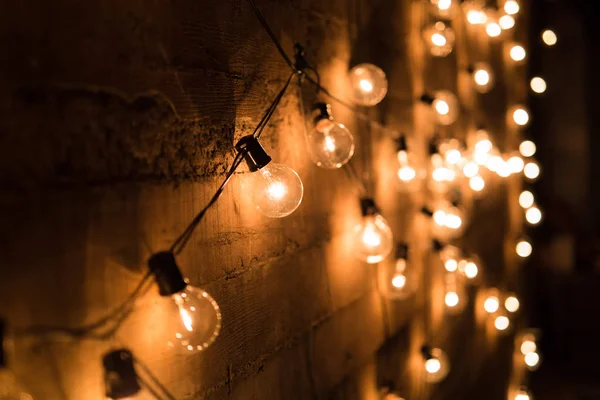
[528, 346]
[474, 13]
[483, 77]
[531, 170]
[495, 163]
[435, 364]
[533, 215]
[369, 84]
[532, 359]
[520, 115]
[439, 38]
[517, 53]
[448, 216]
[476, 183]
[526, 199]
[407, 171]
[372, 238]
[449, 255]
[455, 297]
[444, 105]
[504, 169]
[524, 248]
[538, 85]
[330, 145]
[440, 172]
[481, 145]
[506, 22]
[516, 164]
[501, 322]
[549, 37]
[523, 395]
[470, 269]
[400, 286]
[491, 304]
[193, 315]
[527, 148]
[451, 299]
[512, 304]
[492, 28]
[511, 7]
[470, 169]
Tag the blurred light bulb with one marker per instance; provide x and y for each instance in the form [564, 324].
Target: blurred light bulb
[470, 169]
[533, 215]
[474, 13]
[512, 304]
[491, 304]
[476, 183]
[483, 77]
[471, 270]
[442, 5]
[451, 299]
[449, 255]
[399, 279]
[501, 323]
[448, 216]
[532, 359]
[493, 29]
[520, 115]
[504, 169]
[494, 163]
[444, 105]
[511, 7]
[528, 346]
[531, 170]
[373, 239]
[330, 145]
[453, 156]
[369, 84]
[523, 395]
[406, 172]
[440, 39]
[516, 164]
[527, 148]
[549, 37]
[435, 363]
[524, 248]
[517, 53]
[538, 85]
[439, 171]
[506, 22]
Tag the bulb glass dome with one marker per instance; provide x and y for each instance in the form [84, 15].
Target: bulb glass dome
[483, 77]
[276, 190]
[524, 248]
[512, 304]
[531, 170]
[445, 107]
[492, 28]
[439, 39]
[532, 359]
[369, 84]
[533, 215]
[491, 304]
[437, 366]
[538, 85]
[517, 53]
[527, 148]
[330, 145]
[373, 239]
[506, 22]
[549, 37]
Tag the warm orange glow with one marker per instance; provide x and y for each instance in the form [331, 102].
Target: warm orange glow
[532, 359]
[527, 148]
[477, 184]
[531, 170]
[520, 116]
[506, 22]
[433, 365]
[502, 323]
[528, 346]
[533, 215]
[512, 304]
[549, 37]
[493, 29]
[518, 53]
[491, 304]
[524, 248]
[511, 7]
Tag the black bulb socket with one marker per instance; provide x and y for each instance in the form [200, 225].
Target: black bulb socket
[120, 378]
[426, 352]
[427, 98]
[254, 154]
[368, 207]
[437, 245]
[401, 143]
[402, 251]
[166, 273]
[426, 211]
[433, 147]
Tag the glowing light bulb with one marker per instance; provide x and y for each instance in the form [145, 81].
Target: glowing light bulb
[451, 265]
[449, 255]
[528, 346]
[493, 29]
[471, 270]
[531, 170]
[516, 164]
[406, 172]
[504, 169]
[436, 364]
[442, 5]
[494, 163]
[523, 395]
[524, 248]
[512, 304]
[439, 38]
[506, 22]
[474, 13]
[399, 285]
[276, 190]
[533, 215]
[501, 323]
[527, 148]
[532, 359]
[451, 299]
[470, 169]
[398, 281]
[491, 304]
[439, 171]
[373, 239]
[517, 53]
[330, 145]
[483, 77]
[520, 115]
[369, 84]
[453, 156]
[549, 37]
[444, 105]
[476, 183]
[511, 7]
[538, 85]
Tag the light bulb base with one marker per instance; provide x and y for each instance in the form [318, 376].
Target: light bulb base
[321, 111]
[437, 246]
[426, 352]
[166, 273]
[471, 69]
[401, 143]
[120, 378]
[433, 147]
[402, 251]
[368, 207]
[426, 211]
[427, 98]
[254, 154]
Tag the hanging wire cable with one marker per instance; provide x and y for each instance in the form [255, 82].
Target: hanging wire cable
[165, 393]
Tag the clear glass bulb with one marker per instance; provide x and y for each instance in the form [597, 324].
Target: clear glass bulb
[512, 304]
[450, 256]
[524, 248]
[531, 170]
[406, 172]
[527, 148]
[533, 215]
[506, 22]
[523, 395]
[549, 38]
[538, 85]
[400, 284]
[369, 84]
[483, 77]
[330, 145]
[511, 7]
[445, 107]
[10, 388]
[447, 220]
[469, 268]
[491, 304]
[520, 115]
[474, 13]
[276, 190]
[517, 53]
[501, 322]
[440, 39]
[196, 320]
[373, 239]
[437, 366]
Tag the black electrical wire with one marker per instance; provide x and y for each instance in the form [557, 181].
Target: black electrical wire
[166, 394]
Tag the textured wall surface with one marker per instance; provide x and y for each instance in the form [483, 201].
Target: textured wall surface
[117, 122]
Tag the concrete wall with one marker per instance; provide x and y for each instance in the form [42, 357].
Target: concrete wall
[118, 120]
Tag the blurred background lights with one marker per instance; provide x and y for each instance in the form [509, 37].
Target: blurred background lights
[549, 37]
[538, 85]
